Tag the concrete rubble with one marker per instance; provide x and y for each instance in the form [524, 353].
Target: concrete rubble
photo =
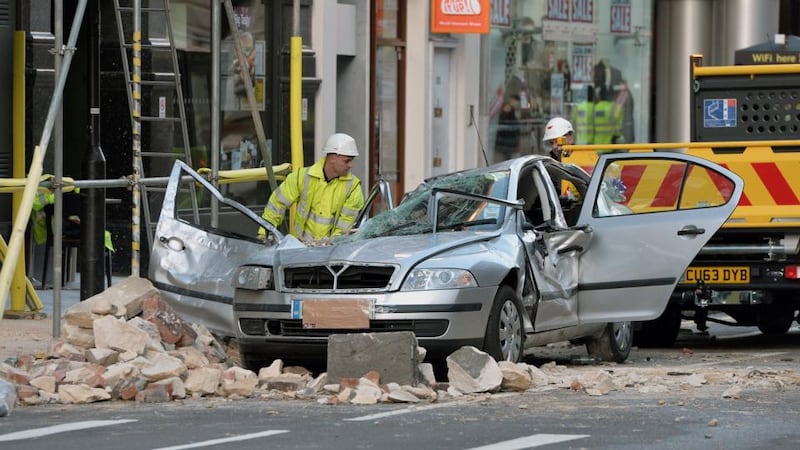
[126, 343]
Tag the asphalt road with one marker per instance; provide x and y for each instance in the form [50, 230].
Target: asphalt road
[763, 416]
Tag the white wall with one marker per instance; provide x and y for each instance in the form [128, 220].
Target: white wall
[343, 61]
[464, 152]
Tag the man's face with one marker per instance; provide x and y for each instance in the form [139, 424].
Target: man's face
[554, 148]
[338, 164]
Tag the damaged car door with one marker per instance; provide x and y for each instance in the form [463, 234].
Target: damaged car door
[193, 259]
[643, 242]
[552, 249]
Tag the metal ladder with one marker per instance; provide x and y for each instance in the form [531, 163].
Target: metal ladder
[157, 13]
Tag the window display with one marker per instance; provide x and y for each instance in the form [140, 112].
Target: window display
[588, 61]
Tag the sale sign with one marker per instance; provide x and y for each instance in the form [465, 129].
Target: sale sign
[620, 16]
[558, 10]
[583, 11]
[582, 63]
[501, 13]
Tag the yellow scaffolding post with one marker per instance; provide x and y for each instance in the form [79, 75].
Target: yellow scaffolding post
[18, 168]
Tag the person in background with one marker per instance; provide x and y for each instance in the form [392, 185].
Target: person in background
[507, 138]
[327, 195]
[557, 127]
[558, 132]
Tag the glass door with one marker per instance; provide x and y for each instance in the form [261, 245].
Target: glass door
[388, 90]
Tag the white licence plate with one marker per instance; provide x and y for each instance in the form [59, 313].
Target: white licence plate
[351, 314]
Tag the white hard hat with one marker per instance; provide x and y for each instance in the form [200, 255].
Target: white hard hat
[341, 144]
[555, 128]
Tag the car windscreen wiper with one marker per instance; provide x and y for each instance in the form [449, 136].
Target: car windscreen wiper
[459, 226]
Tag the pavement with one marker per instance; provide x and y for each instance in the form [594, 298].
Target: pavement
[31, 333]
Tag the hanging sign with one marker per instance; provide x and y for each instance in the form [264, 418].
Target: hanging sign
[583, 11]
[620, 16]
[582, 63]
[501, 13]
[460, 16]
[558, 10]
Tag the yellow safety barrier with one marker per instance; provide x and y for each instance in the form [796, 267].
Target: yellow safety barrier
[248, 175]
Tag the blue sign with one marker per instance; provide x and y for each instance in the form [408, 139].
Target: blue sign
[719, 113]
[297, 309]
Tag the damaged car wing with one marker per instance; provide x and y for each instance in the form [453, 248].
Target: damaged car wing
[192, 260]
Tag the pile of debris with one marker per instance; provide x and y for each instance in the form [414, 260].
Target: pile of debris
[127, 343]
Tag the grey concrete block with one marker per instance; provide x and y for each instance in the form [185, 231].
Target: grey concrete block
[393, 355]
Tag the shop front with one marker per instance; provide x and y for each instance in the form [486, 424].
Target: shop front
[585, 60]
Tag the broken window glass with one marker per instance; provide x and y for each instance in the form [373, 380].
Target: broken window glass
[456, 212]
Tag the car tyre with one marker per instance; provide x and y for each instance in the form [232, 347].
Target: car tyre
[505, 336]
[613, 344]
[660, 332]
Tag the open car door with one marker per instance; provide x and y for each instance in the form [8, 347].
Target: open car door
[650, 213]
[379, 199]
[192, 262]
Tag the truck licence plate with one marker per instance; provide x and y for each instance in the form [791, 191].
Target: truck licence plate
[717, 275]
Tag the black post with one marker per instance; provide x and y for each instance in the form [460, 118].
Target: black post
[93, 209]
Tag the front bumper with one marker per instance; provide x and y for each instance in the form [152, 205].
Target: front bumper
[442, 320]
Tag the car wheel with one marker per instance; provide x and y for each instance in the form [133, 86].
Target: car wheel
[660, 332]
[613, 344]
[505, 336]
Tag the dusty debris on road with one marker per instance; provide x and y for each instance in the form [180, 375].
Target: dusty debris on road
[128, 344]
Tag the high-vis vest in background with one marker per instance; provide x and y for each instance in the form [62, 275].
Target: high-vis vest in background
[607, 122]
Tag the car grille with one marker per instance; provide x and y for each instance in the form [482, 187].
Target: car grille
[338, 277]
[294, 328]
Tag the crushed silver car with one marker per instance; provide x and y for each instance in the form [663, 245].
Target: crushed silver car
[494, 257]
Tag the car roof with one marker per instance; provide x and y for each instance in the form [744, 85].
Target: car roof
[514, 164]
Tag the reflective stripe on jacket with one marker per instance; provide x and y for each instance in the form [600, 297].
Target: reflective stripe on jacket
[324, 209]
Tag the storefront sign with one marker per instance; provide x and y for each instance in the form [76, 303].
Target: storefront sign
[583, 11]
[620, 16]
[558, 10]
[501, 13]
[460, 16]
[554, 30]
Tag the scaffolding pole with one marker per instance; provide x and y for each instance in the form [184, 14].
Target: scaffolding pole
[136, 141]
[31, 185]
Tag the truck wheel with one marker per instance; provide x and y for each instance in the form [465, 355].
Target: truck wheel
[660, 332]
[776, 324]
[505, 336]
[613, 344]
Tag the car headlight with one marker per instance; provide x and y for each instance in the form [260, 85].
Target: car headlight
[252, 277]
[426, 279]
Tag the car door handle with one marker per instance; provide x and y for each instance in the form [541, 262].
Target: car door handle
[691, 230]
[173, 243]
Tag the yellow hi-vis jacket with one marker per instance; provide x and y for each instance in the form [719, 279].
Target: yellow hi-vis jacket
[38, 217]
[324, 209]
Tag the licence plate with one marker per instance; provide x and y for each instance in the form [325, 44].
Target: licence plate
[717, 275]
[334, 314]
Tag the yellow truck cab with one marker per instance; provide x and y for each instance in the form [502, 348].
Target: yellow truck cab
[746, 118]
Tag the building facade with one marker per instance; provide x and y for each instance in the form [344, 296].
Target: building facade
[418, 103]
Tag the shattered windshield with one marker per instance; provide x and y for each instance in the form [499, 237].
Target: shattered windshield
[455, 212]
